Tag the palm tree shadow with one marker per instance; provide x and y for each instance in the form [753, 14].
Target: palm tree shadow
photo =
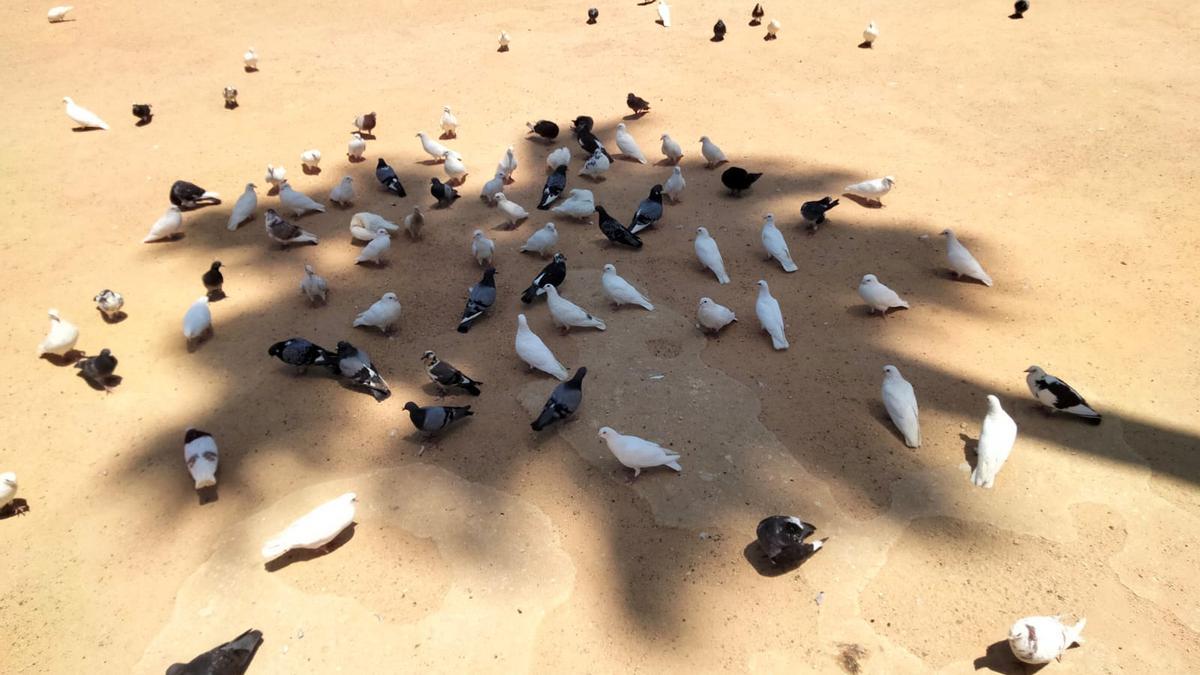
[306, 554]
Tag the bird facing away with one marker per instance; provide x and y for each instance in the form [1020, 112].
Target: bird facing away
[356, 147]
[508, 164]
[230, 94]
[58, 14]
[534, 352]
[387, 177]
[505, 40]
[250, 60]
[354, 365]
[637, 104]
[563, 402]
[1057, 395]
[671, 149]
[709, 254]
[568, 315]
[313, 286]
[757, 14]
[870, 33]
[200, 455]
[365, 123]
[719, 31]
[712, 317]
[231, 658]
[168, 226]
[62, 336]
[555, 184]
[559, 157]
[544, 128]
[775, 245]
[445, 375]
[143, 113]
[621, 292]
[480, 299]
[513, 212]
[614, 231]
[453, 165]
[314, 529]
[99, 369]
[82, 117]
[738, 179]
[900, 401]
[275, 175]
[596, 166]
[664, 13]
[285, 233]
[638, 453]
[109, 303]
[1041, 639]
[782, 539]
[996, 439]
[675, 184]
[713, 156]
[813, 212]
[872, 190]
[489, 190]
[554, 273]
[383, 314]
[961, 262]
[1019, 9]
[769, 316]
[311, 160]
[482, 248]
[301, 353]
[435, 418]
[197, 321]
[648, 212]
[592, 15]
[879, 298]
[773, 30]
[243, 208]
[187, 195]
[413, 223]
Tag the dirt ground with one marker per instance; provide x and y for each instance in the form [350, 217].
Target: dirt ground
[1061, 148]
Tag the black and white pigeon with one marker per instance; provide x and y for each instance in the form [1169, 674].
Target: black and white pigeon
[737, 179]
[388, 178]
[563, 402]
[1019, 9]
[444, 193]
[718, 31]
[301, 353]
[544, 128]
[587, 140]
[480, 298]
[593, 14]
[285, 233]
[435, 418]
[813, 212]
[582, 123]
[187, 195]
[782, 539]
[354, 365]
[231, 658]
[615, 231]
[757, 14]
[1058, 395]
[648, 212]
[637, 104]
[555, 184]
[554, 274]
[213, 281]
[98, 369]
[445, 375]
[142, 112]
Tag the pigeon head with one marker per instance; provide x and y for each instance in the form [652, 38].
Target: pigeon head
[411, 407]
[993, 403]
[947, 232]
[769, 218]
[9, 478]
[277, 348]
[704, 139]
[551, 227]
[67, 99]
[704, 302]
[609, 268]
[388, 296]
[445, 108]
[890, 370]
[215, 266]
[868, 279]
[381, 233]
[656, 192]
[429, 357]
[606, 433]
[380, 164]
[889, 180]
[499, 196]
[1036, 371]
[344, 347]
[762, 285]
[309, 269]
[550, 289]
[621, 125]
[702, 231]
[105, 352]
[435, 181]
[665, 137]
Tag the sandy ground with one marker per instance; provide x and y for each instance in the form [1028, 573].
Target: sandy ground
[1061, 148]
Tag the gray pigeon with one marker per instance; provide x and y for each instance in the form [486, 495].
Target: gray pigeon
[479, 300]
[285, 233]
[563, 402]
[648, 212]
[436, 417]
[301, 353]
[98, 369]
[231, 658]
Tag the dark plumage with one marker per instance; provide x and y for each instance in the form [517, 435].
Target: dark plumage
[737, 179]
[97, 369]
[231, 658]
[479, 299]
[354, 365]
[445, 375]
[388, 178]
[142, 112]
[1058, 395]
[648, 212]
[615, 231]
[582, 123]
[563, 401]
[187, 195]
[757, 14]
[365, 123]
[718, 31]
[593, 14]
[782, 539]
[636, 103]
[1019, 9]
[544, 128]
[301, 353]
[444, 193]
[555, 184]
[213, 281]
[813, 212]
[554, 274]
[589, 142]
[436, 417]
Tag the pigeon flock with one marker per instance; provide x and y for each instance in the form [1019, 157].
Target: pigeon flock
[784, 540]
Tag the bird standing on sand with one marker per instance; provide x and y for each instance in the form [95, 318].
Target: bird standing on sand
[109, 303]
[782, 539]
[775, 245]
[534, 352]
[297, 202]
[383, 314]
[62, 336]
[813, 212]
[773, 30]
[648, 212]
[614, 231]
[480, 299]
[627, 144]
[230, 94]
[639, 453]
[142, 112]
[738, 179]
[449, 123]
[356, 147]
[962, 263]
[444, 193]
[354, 365]
[621, 292]
[197, 320]
[59, 14]
[712, 317]
[900, 401]
[445, 375]
[301, 353]
[554, 273]
[555, 184]
[243, 208]
[314, 529]
[637, 104]
[719, 31]
[213, 281]
[313, 286]
[872, 190]
[99, 369]
[482, 248]
[1019, 9]
[709, 254]
[82, 117]
[250, 60]
[870, 33]
[435, 418]
[187, 195]
[230, 658]
[879, 298]
[1041, 639]
[387, 177]
[1057, 395]
[285, 233]
[168, 226]
[513, 212]
[996, 438]
[592, 15]
[769, 316]
[374, 250]
[365, 123]
[563, 402]
[757, 14]
[545, 128]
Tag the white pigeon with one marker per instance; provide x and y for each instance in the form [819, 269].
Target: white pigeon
[872, 189]
[297, 202]
[712, 317]
[431, 147]
[8, 488]
[775, 245]
[596, 166]
[356, 147]
[508, 164]
[709, 255]
[374, 250]
[870, 33]
[453, 165]
[712, 154]
[275, 175]
[413, 223]
[1058, 395]
[342, 194]
[383, 314]
[200, 455]
[513, 211]
[311, 159]
[560, 156]
[638, 453]
[770, 316]
[372, 222]
[962, 263]
[580, 204]
[86, 119]
[535, 353]
[168, 226]
[996, 439]
[243, 208]
[313, 286]
[627, 145]
[250, 59]
[197, 320]
[490, 188]
[504, 41]
[674, 185]
[57, 14]
[568, 315]
[1041, 639]
[879, 298]
[664, 13]
[621, 292]
[62, 336]
[671, 149]
[901, 403]
[542, 242]
[482, 248]
[773, 29]
[361, 232]
[314, 529]
[449, 122]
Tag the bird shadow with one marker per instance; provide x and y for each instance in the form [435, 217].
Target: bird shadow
[659, 21]
[273, 191]
[635, 116]
[949, 275]
[503, 48]
[207, 495]
[428, 162]
[755, 22]
[231, 106]
[1016, 16]
[880, 413]
[364, 135]
[117, 317]
[250, 69]
[999, 659]
[310, 170]
[80, 130]
[864, 45]
[758, 559]
[306, 554]
[216, 296]
[142, 123]
[17, 507]
[194, 344]
[108, 384]
[716, 39]
[863, 201]
[356, 160]
[446, 136]
[68, 359]
[970, 450]
[768, 37]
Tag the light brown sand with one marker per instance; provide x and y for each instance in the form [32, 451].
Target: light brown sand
[1061, 148]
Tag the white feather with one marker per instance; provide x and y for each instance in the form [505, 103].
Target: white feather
[621, 292]
[710, 255]
[314, 529]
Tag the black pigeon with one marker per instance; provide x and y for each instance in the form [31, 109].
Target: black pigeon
[737, 179]
[637, 104]
[582, 123]
[718, 31]
[142, 112]
[589, 142]
[213, 281]
[555, 184]
[615, 231]
[388, 178]
[757, 14]
[301, 353]
[187, 195]
[354, 364]
[782, 539]
[231, 658]
[479, 299]
[544, 128]
[593, 14]
[444, 193]
[436, 417]
[563, 401]
[445, 375]
[554, 274]
[97, 369]
[1019, 9]
[813, 213]
[648, 212]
